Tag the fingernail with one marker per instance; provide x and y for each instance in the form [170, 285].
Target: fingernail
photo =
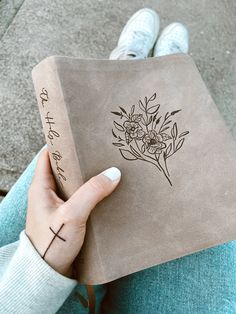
[112, 173]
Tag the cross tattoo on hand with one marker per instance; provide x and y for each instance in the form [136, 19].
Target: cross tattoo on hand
[56, 235]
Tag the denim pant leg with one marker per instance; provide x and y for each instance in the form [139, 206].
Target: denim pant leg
[13, 206]
[200, 283]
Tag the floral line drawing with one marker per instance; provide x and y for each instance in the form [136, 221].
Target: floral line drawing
[148, 136]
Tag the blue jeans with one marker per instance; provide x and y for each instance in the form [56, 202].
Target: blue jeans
[203, 282]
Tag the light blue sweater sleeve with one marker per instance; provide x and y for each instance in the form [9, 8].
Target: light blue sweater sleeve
[28, 285]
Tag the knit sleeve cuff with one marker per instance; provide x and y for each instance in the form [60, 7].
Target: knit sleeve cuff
[29, 283]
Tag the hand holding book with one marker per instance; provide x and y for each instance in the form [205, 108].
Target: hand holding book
[57, 228]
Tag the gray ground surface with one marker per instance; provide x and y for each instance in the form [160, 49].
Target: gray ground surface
[31, 30]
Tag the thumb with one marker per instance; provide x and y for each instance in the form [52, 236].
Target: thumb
[43, 176]
[81, 203]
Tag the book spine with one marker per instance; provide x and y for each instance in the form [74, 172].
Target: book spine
[56, 126]
[63, 158]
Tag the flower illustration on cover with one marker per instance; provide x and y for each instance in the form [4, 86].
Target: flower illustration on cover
[147, 135]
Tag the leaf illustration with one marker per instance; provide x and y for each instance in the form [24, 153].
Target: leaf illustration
[158, 120]
[146, 101]
[143, 148]
[153, 97]
[168, 149]
[180, 144]
[174, 131]
[127, 154]
[118, 126]
[153, 109]
[134, 151]
[183, 134]
[118, 144]
[166, 128]
[132, 109]
[141, 106]
[117, 113]
[150, 120]
[154, 118]
[166, 115]
[114, 133]
[167, 122]
[123, 110]
[174, 112]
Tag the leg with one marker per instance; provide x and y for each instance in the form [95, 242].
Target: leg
[201, 283]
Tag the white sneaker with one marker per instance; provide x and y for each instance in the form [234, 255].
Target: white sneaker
[138, 36]
[173, 39]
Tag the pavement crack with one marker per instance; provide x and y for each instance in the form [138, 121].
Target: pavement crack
[11, 21]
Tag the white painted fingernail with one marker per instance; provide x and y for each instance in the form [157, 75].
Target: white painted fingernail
[112, 173]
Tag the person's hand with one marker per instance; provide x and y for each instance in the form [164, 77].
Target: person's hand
[47, 214]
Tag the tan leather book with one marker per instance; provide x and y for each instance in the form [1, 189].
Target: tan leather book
[155, 120]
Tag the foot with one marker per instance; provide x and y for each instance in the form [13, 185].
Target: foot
[138, 36]
[173, 39]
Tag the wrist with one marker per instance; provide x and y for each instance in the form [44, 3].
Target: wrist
[52, 260]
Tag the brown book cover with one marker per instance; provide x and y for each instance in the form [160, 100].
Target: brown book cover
[155, 120]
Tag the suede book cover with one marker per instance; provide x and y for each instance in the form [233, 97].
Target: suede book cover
[155, 120]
